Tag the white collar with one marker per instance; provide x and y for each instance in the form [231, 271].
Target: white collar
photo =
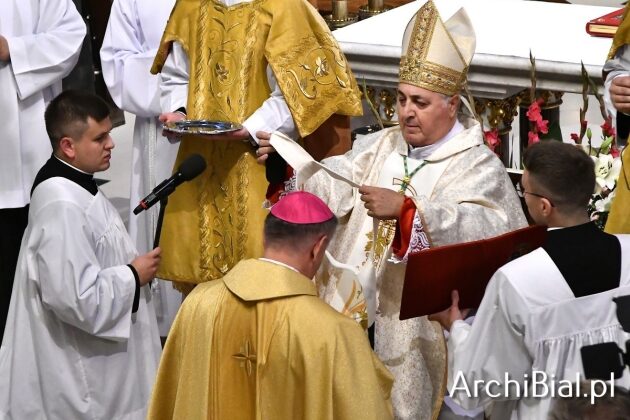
[278, 263]
[423, 152]
[73, 167]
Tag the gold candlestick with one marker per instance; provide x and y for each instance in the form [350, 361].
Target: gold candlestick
[340, 16]
[376, 4]
[340, 9]
[372, 8]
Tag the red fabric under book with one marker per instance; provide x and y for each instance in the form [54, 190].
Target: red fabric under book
[605, 25]
[467, 267]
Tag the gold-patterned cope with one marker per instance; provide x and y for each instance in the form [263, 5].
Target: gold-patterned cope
[436, 54]
[216, 220]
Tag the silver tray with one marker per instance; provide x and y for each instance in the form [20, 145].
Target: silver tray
[201, 127]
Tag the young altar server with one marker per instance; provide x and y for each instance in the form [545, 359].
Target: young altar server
[540, 309]
[81, 339]
[40, 42]
[259, 343]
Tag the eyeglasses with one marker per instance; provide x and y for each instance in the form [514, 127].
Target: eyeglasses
[520, 191]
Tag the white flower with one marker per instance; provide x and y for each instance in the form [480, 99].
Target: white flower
[603, 205]
[607, 171]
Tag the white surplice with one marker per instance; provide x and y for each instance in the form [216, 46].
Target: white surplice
[72, 348]
[133, 34]
[44, 38]
[529, 320]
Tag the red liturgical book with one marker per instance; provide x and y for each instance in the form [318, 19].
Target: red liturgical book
[605, 25]
[467, 267]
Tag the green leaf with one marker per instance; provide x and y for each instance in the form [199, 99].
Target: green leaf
[605, 147]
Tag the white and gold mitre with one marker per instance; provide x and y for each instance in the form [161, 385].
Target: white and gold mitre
[436, 54]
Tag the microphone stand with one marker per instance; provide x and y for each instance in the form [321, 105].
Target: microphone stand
[158, 229]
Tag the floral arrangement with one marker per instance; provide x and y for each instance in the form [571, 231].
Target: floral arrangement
[606, 156]
[537, 125]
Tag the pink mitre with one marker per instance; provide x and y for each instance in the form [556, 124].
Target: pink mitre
[301, 207]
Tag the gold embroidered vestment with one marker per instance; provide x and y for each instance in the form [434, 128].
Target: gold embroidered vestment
[216, 220]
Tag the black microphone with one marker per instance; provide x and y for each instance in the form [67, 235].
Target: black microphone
[189, 169]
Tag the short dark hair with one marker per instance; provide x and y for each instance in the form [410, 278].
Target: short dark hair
[564, 171]
[68, 113]
[282, 234]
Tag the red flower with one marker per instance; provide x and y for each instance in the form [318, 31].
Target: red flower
[533, 112]
[575, 137]
[614, 152]
[492, 139]
[532, 138]
[607, 128]
[583, 125]
[542, 126]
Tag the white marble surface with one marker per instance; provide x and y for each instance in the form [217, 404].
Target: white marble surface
[506, 32]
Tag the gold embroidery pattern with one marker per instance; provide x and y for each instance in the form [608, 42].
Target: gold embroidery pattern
[414, 67]
[432, 76]
[247, 358]
[223, 197]
[384, 237]
[206, 230]
[241, 197]
[201, 81]
[321, 75]
[426, 19]
[247, 62]
[224, 215]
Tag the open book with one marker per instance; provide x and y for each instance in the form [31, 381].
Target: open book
[467, 267]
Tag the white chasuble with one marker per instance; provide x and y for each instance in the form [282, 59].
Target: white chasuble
[44, 39]
[133, 35]
[372, 259]
[463, 193]
[72, 347]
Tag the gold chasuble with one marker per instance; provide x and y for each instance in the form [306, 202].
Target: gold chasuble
[215, 220]
[618, 220]
[260, 344]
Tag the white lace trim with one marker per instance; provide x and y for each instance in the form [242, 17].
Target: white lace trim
[417, 242]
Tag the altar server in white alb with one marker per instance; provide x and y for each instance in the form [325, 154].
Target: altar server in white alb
[428, 182]
[133, 35]
[81, 340]
[40, 42]
[540, 309]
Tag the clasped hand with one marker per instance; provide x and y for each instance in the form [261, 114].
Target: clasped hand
[381, 203]
[620, 93]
